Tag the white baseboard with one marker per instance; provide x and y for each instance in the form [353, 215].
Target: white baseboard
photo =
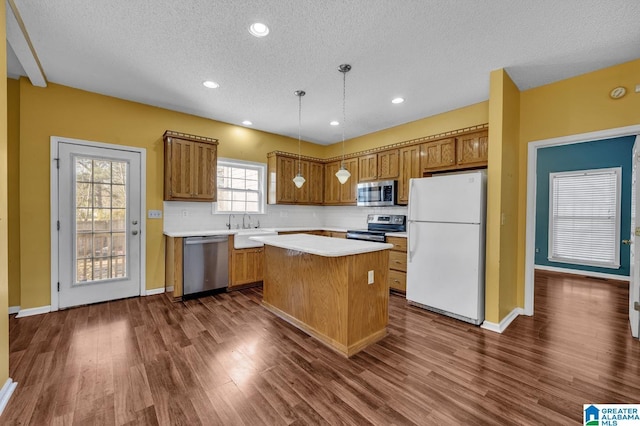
[34, 311]
[582, 273]
[502, 326]
[6, 392]
[153, 291]
[14, 310]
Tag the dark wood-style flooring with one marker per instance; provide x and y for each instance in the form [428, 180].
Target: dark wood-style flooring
[225, 360]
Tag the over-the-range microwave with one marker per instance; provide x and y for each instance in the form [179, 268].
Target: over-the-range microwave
[381, 193]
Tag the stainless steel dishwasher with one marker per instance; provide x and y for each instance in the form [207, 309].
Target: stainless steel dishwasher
[206, 264]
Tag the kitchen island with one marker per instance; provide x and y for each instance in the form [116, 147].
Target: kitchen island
[333, 289]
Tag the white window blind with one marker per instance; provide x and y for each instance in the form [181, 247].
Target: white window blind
[584, 217]
[240, 187]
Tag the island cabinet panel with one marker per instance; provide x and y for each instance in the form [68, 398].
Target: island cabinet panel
[473, 149]
[329, 297]
[438, 155]
[190, 167]
[409, 168]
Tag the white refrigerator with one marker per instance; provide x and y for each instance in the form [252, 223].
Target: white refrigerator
[446, 244]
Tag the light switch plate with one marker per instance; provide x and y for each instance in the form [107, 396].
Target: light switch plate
[154, 214]
[370, 277]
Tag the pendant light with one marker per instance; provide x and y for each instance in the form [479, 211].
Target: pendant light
[343, 174]
[299, 180]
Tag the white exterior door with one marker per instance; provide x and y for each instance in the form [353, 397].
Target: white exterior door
[634, 239]
[99, 214]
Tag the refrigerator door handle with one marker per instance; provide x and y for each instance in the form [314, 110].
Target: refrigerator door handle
[411, 238]
[411, 189]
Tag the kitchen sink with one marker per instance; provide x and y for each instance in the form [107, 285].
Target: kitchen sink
[241, 239]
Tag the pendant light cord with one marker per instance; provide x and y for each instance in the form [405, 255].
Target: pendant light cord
[344, 113]
[299, 127]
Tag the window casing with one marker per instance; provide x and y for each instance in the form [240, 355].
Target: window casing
[241, 187]
[584, 217]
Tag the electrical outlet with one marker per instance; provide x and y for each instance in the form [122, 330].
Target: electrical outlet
[370, 277]
[154, 214]
[185, 213]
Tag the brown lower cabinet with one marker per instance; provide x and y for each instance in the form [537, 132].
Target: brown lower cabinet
[398, 264]
[246, 266]
[173, 266]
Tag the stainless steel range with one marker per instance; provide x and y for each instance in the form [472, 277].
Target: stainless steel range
[378, 225]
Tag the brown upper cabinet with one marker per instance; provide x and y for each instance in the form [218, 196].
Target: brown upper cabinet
[282, 168]
[380, 166]
[438, 155]
[409, 168]
[190, 164]
[473, 149]
[335, 192]
[412, 159]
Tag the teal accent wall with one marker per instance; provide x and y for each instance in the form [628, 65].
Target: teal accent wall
[616, 152]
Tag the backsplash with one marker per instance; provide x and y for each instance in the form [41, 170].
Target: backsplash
[183, 216]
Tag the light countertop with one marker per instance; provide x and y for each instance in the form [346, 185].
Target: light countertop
[210, 232]
[396, 234]
[201, 233]
[321, 246]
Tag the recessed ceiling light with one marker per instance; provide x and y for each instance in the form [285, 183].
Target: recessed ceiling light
[334, 123]
[247, 123]
[259, 29]
[397, 100]
[210, 84]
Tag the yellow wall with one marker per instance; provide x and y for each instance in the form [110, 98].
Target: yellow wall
[468, 116]
[63, 111]
[13, 180]
[501, 292]
[4, 214]
[576, 105]
[568, 107]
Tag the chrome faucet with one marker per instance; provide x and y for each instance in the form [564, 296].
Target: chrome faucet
[229, 222]
[243, 223]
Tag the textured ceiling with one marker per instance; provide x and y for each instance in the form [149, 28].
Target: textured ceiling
[437, 54]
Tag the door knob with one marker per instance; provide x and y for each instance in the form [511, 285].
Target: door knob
[627, 242]
[134, 232]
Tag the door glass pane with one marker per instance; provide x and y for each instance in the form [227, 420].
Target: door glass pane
[101, 213]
